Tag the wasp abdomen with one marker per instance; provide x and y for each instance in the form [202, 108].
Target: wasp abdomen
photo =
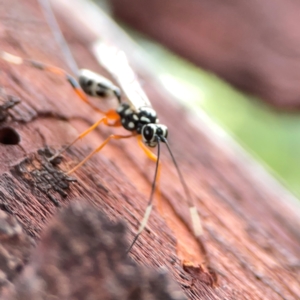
[96, 85]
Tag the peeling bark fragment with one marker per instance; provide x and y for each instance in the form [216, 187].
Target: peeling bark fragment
[43, 175]
[199, 273]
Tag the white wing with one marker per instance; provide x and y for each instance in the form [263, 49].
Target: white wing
[115, 62]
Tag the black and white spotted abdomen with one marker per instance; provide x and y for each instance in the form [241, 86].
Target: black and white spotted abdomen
[96, 85]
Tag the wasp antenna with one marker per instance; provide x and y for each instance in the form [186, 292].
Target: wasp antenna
[52, 22]
[150, 202]
[196, 221]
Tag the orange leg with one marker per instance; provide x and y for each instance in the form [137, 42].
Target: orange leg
[104, 120]
[147, 151]
[113, 136]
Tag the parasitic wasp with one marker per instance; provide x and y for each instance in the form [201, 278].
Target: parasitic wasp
[134, 111]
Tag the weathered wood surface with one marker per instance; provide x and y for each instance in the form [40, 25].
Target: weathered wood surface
[252, 44]
[82, 255]
[251, 226]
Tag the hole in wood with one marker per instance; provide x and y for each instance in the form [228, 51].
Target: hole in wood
[9, 136]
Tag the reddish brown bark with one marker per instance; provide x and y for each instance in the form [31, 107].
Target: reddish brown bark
[250, 226]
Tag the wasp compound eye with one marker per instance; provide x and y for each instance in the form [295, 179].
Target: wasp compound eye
[152, 132]
[148, 132]
[162, 131]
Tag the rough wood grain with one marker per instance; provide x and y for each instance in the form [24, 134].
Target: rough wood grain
[82, 255]
[250, 225]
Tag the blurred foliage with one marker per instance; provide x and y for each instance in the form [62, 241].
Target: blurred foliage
[272, 137]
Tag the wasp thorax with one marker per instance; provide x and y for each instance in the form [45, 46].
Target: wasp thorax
[152, 132]
[96, 85]
[135, 120]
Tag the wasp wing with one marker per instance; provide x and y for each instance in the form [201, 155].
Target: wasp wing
[116, 63]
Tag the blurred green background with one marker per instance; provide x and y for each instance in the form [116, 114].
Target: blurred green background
[272, 137]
